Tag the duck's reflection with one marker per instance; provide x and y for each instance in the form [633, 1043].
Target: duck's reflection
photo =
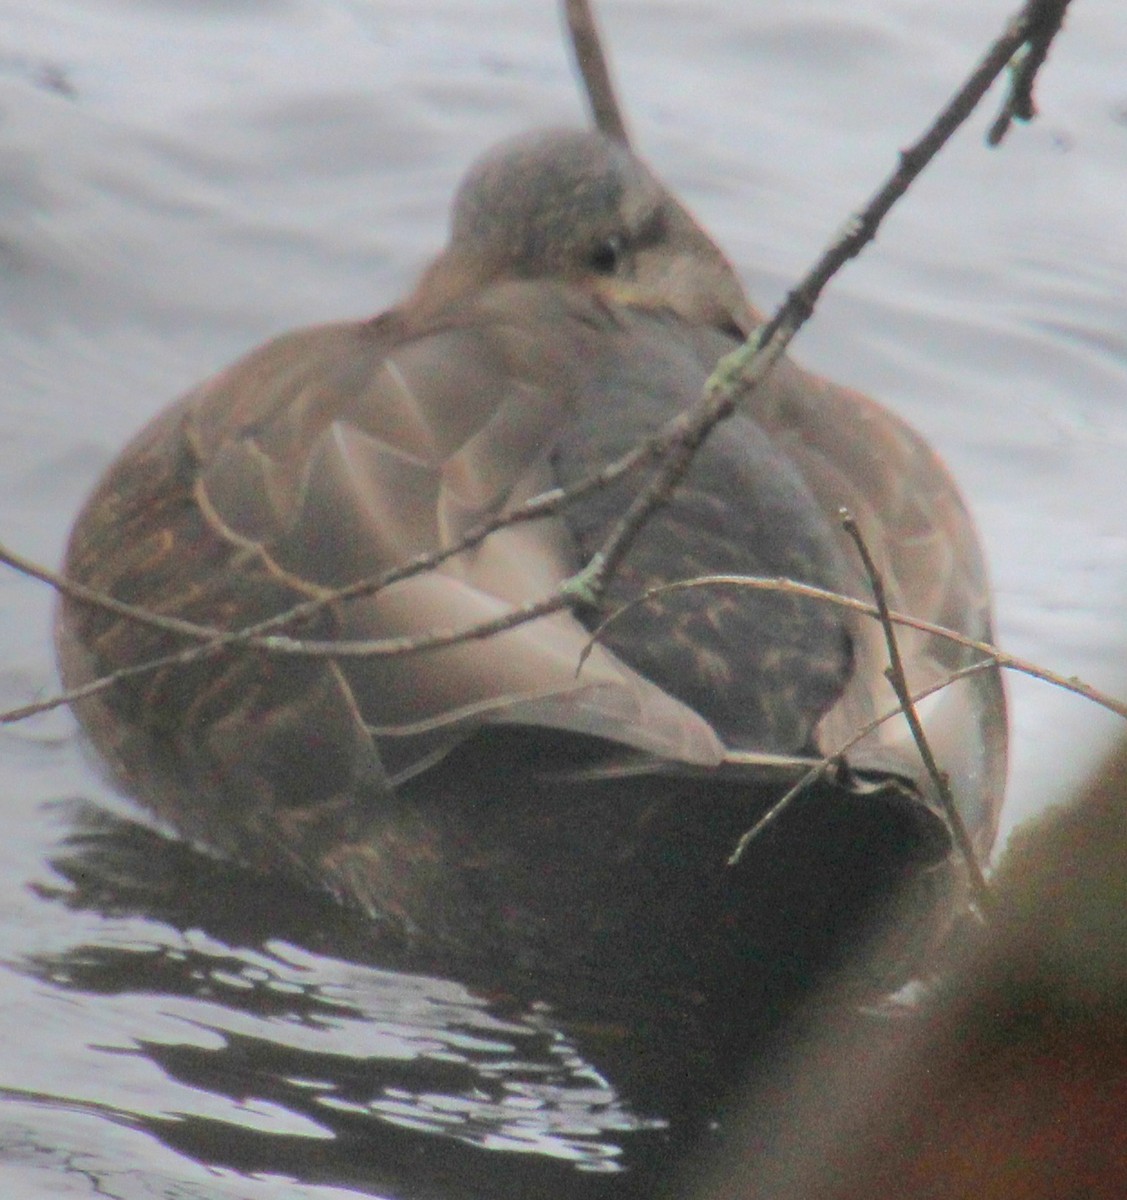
[322, 1062]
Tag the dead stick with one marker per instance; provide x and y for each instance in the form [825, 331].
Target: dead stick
[737, 375]
[1019, 104]
[899, 681]
[589, 58]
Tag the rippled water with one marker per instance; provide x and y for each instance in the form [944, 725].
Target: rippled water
[180, 179]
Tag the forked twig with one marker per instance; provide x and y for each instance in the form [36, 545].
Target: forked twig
[992, 656]
[264, 635]
[1019, 105]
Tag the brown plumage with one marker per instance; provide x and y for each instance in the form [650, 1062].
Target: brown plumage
[577, 307]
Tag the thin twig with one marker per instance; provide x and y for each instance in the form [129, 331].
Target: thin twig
[287, 647]
[593, 69]
[734, 379]
[899, 681]
[863, 227]
[79, 592]
[1027, 61]
[252, 638]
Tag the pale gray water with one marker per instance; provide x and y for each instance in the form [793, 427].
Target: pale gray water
[180, 179]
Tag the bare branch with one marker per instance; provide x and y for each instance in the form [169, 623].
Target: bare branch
[254, 637]
[799, 304]
[263, 635]
[592, 63]
[88, 595]
[899, 681]
[737, 375]
[1044, 24]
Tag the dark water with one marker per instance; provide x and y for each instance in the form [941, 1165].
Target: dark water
[180, 179]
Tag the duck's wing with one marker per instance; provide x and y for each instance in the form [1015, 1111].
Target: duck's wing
[333, 455]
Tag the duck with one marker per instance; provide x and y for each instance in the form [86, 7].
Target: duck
[543, 797]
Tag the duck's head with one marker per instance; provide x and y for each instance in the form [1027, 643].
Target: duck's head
[579, 207]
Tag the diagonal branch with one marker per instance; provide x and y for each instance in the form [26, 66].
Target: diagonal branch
[263, 635]
[737, 375]
[593, 68]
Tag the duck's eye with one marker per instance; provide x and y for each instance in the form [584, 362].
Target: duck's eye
[606, 256]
